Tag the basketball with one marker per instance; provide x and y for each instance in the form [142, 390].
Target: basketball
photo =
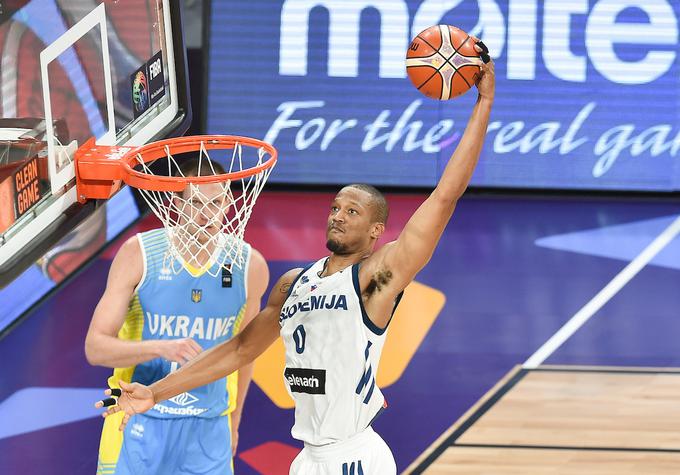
[442, 63]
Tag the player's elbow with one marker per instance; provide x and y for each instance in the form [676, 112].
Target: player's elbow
[92, 351]
[447, 199]
[91, 356]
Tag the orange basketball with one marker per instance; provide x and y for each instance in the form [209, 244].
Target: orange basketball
[442, 62]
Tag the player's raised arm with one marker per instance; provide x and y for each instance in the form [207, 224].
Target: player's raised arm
[212, 364]
[406, 256]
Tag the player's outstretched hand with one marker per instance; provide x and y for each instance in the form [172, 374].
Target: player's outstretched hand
[486, 84]
[131, 398]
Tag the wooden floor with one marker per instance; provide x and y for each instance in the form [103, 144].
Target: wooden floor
[489, 461]
[566, 420]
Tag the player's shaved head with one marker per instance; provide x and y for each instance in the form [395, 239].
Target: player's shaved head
[379, 204]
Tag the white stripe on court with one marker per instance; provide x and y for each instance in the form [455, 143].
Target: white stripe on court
[603, 296]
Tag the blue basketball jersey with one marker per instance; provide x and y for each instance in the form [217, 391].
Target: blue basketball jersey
[191, 304]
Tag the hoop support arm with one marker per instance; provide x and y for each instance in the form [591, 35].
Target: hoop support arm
[101, 169]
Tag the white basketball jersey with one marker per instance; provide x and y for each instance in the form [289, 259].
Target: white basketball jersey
[332, 355]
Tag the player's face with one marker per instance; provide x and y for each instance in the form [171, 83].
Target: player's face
[202, 210]
[350, 222]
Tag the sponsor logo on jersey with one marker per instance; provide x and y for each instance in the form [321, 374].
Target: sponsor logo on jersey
[314, 302]
[183, 326]
[184, 399]
[196, 295]
[137, 430]
[165, 274]
[308, 381]
[304, 279]
[179, 411]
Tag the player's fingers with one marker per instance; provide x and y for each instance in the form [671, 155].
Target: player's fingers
[115, 392]
[190, 351]
[100, 403]
[108, 402]
[484, 58]
[483, 51]
[488, 67]
[111, 411]
[189, 346]
[124, 422]
[195, 346]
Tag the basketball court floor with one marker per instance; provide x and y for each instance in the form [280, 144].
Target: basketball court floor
[509, 272]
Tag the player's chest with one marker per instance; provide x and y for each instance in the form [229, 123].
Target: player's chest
[189, 291]
[318, 300]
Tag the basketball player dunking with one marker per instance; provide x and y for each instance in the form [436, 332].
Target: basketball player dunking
[332, 317]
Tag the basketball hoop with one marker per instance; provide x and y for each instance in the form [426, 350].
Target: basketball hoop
[205, 216]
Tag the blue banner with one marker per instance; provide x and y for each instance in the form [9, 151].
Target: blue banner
[587, 91]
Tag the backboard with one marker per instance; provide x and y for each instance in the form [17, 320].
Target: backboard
[71, 70]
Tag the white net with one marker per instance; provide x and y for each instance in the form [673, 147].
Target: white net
[206, 222]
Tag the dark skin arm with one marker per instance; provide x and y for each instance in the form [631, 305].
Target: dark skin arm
[389, 270]
[212, 364]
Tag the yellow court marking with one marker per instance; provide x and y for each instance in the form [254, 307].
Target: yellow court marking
[416, 313]
[268, 374]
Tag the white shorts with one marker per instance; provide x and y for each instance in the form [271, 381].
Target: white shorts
[364, 454]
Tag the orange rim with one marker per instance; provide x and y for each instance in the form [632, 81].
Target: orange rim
[155, 150]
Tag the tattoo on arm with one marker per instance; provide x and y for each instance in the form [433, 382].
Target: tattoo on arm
[378, 281]
[284, 288]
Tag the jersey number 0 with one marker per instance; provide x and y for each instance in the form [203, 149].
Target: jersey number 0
[299, 336]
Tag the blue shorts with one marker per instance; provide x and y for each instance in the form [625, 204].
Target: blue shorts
[153, 446]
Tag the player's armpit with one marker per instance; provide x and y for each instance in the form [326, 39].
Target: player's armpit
[389, 271]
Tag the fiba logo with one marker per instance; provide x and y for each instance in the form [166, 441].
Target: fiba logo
[184, 399]
[140, 92]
